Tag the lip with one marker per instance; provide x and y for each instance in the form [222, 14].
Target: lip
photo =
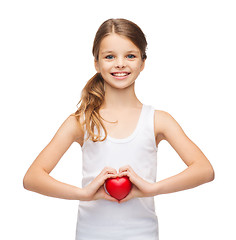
[120, 77]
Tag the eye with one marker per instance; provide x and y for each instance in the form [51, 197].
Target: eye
[130, 56]
[109, 57]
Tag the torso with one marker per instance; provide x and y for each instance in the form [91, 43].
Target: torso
[125, 126]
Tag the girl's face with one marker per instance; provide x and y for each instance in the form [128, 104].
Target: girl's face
[119, 61]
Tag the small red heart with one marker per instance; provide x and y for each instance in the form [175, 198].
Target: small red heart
[118, 187]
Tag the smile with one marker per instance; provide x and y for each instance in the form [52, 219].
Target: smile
[120, 74]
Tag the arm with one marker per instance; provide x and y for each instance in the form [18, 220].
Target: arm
[37, 177]
[199, 170]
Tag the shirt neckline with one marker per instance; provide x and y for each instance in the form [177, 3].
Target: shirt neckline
[129, 138]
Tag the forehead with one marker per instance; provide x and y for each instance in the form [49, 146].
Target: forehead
[117, 43]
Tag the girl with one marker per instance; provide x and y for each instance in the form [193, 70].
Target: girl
[119, 136]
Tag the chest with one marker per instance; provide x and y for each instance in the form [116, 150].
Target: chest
[120, 125]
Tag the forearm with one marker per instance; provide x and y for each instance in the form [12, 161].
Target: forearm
[191, 177]
[41, 182]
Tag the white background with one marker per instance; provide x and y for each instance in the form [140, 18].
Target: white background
[45, 61]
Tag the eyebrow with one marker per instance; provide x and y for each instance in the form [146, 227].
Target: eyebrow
[110, 51]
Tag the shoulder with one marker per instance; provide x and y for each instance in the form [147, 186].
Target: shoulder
[165, 124]
[73, 126]
[162, 116]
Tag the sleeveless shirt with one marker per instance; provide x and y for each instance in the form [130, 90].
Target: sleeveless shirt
[132, 220]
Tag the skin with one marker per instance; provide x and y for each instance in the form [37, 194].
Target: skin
[116, 54]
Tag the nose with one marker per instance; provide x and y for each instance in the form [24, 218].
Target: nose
[120, 63]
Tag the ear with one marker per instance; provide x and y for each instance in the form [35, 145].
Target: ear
[96, 65]
[143, 65]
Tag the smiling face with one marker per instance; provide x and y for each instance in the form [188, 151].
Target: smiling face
[119, 61]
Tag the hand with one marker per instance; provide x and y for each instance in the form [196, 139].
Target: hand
[140, 188]
[95, 190]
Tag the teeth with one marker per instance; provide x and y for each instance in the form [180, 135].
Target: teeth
[120, 74]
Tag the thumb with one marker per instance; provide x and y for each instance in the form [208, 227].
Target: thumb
[109, 198]
[127, 198]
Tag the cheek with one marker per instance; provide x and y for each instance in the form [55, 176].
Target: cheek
[137, 67]
[106, 67]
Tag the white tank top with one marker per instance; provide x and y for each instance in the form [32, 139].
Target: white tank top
[132, 220]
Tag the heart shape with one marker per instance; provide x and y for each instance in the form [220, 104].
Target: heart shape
[118, 187]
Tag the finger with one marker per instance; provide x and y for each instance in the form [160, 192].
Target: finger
[109, 170]
[122, 174]
[100, 179]
[126, 168]
[110, 175]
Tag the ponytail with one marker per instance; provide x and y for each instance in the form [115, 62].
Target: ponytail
[91, 100]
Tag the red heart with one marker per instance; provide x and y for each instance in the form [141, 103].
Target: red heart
[118, 187]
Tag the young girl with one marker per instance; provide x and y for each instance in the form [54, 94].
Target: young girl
[119, 136]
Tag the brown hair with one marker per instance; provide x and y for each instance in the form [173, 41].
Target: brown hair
[93, 93]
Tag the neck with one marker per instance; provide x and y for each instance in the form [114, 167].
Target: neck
[120, 99]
